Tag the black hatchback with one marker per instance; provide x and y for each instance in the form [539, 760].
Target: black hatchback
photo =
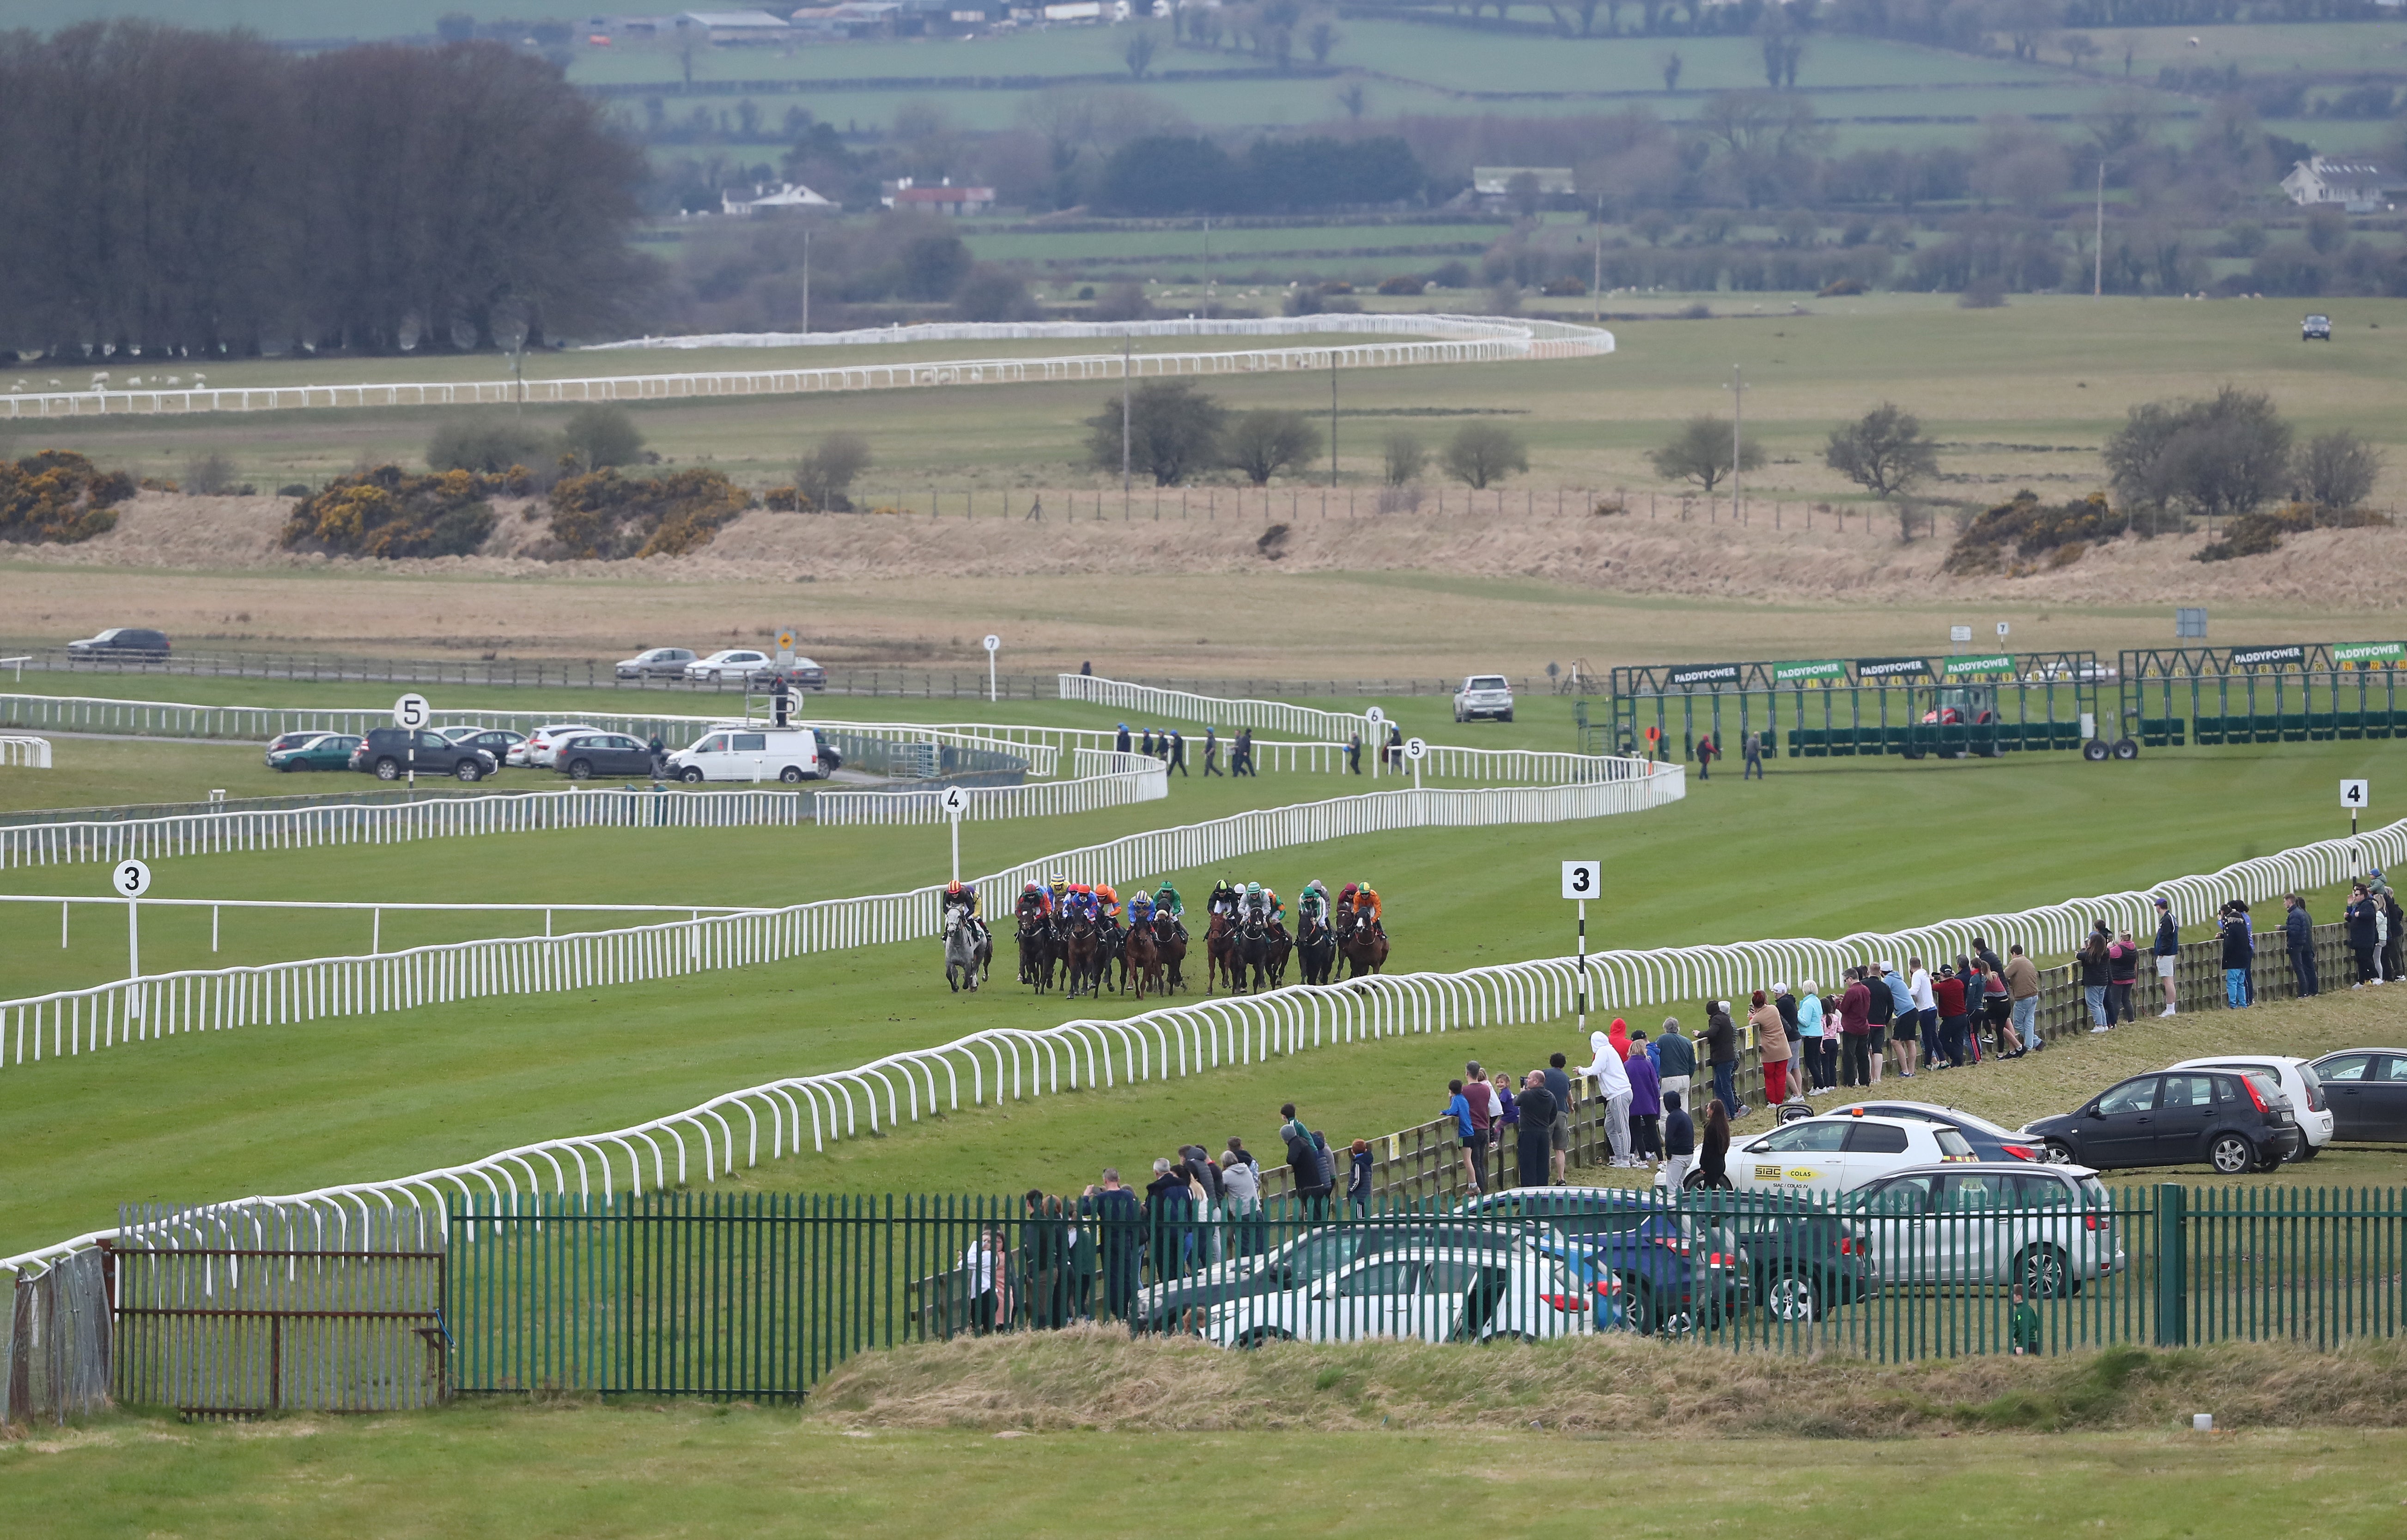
[587, 755]
[2232, 1121]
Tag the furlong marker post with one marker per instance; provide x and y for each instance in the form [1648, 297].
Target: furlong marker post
[132, 879]
[2352, 796]
[1581, 878]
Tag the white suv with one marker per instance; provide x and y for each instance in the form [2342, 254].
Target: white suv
[1837, 1153]
[544, 742]
[2309, 1105]
[1487, 695]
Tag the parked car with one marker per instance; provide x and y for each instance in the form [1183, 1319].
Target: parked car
[734, 663]
[500, 742]
[2366, 1089]
[2234, 1121]
[2050, 1229]
[1673, 1274]
[1178, 1305]
[387, 753]
[291, 740]
[1989, 1141]
[1435, 1293]
[316, 751]
[2315, 329]
[1832, 1154]
[582, 756]
[536, 751]
[658, 663]
[2309, 1108]
[751, 752]
[121, 642]
[1488, 695]
[802, 673]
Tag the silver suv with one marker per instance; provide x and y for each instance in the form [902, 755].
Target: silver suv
[1488, 695]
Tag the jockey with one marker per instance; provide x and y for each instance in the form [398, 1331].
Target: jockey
[1312, 904]
[1262, 902]
[1034, 899]
[1224, 899]
[1108, 901]
[1140, 910]
[1366, 907]
[962, 896]
[1058, 890]
[1167, 899]
[1345, 901]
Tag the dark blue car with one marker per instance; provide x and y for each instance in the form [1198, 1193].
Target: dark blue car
[1673, 1274]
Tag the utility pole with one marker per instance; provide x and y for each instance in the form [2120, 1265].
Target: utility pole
[1207, 269]
[1596, 237]
[1737, 389]
[807, 278]
[1332, 419]
[1128, 344]
[2098, 241]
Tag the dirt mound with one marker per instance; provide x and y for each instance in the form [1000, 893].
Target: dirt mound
[1096, 1378]
[2341, 569]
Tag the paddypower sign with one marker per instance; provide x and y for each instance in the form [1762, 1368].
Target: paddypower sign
[2368, 654]
[2267, 657]
[1702, 673]
[1820, 669]
[1990, 667]
[1892, 668]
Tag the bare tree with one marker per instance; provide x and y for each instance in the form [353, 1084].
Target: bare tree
[1355, 100]
[1481, 454]
[1138, 52]
[1404, 459]
[1884, 452]
[1267, 441]
[2336, 471]
[1322, 39]
[827, 473]
[1700, 452]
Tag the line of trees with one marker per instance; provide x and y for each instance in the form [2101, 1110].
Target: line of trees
[205, 194]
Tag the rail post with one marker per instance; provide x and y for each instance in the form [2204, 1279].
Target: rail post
[2173, 1266]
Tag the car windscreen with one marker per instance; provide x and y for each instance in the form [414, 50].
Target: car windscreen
[1489, 682]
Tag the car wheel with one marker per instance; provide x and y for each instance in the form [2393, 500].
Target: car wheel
[2059, 1153]
[2230, 1154]
[691, 775]
[2096, 752]
[580, 769]
[2309, 1153]
[388, 769]
[1262, 1337]
[791, 774]
[1794, 1298]
[468, 770]
[2270, 1161]
[1506, 717]
[2043, 1273]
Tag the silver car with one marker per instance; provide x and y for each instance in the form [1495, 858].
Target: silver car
[660, 662]
[2050, 1229]
[1435, 1293]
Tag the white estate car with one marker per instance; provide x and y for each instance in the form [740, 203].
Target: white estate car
[1831, 1155]
[1435, 1293]
[750, 751]
[1487, 695]
[2309, 1105]
[544, 742]
[2049, 1228]
[734, 663]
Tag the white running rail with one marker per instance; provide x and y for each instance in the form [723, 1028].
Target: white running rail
[72, 1021]
[29, 753]
[1332, 727]
[1398, 342]
[1105, 779]
[1186, 1039]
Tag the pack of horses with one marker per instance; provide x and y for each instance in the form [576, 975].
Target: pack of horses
[1247, 954]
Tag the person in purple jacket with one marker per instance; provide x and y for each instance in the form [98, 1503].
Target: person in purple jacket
[1645, 1103]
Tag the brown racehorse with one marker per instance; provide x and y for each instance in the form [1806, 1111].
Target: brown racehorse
[1082, 955]
[1220, 955]
[1170, 940]
[1362, 945]
[1142, 957]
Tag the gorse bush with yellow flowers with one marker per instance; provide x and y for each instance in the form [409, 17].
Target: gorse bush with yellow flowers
[602, 515]
[58, 497]
[389, 512]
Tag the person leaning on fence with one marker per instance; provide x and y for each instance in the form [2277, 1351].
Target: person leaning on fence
[2298, 935]
[1721, 1053]
[1119, 1237]
[2167, 948]
[2238, 956]
[1169, 1208]
[2363, 920]
[1645, 1103]
[1771, 1046]
[1612, 1077]
[2022, 994]
[1997, 1009]
[1679, 1142]
[2122, 979]
[1559, 1135]
[1854, 1030]
[1475, 1095]
[1242, 1180]
[1458, 1107]
[1358, 1182]
[1534, 1151]
[1675, 1058]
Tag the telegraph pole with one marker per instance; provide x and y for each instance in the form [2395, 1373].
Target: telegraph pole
[2098, 241]
[1128, 347]
[1737, 389]
[807, 278]
[1332, 419]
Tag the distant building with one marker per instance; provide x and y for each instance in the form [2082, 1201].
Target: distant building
[1496, 181]
[760, 198]
[736, 26]
[2358, 186]
[944, 198]
[857, 18]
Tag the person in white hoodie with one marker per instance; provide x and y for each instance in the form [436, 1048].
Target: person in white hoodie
[1611, 1083]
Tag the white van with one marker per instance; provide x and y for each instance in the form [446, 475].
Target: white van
[750, 751]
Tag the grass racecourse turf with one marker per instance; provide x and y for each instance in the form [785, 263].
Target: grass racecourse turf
[1841, 847]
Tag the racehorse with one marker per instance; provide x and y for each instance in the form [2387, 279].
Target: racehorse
[969, 953]
[1170, 940]
[1220, 955]
[1140, 957]
[1253, 955]
[1282, 946]
[1363, 945]
[1082, 952]
[1317, 952]
[1037, 952]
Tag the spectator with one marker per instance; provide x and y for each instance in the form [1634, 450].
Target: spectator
[1947, 992]
[1772, 1044]
[1705, 757]
[1120, 1237]
[2363, 919]
[1854, 1030]
[1811, 1039]
[1041, 1260]
[1753, 746]
[1121, 743]
[1395, 747]
[1785, 1002]
[1087, 668]
[2393, 966]
[2022, 1001]
[2299, 931]
[1721, 1053]
[1211, 751]
[1145, 744]
[2096, 972]
[1179, 750]
[1242, 1180]
[1926, 1018]
[1482, 1117]
[1211, 1207]
[660, 757]
[1241, 753]
[1534, 1151]
[1886, 986]
[1559, 1086]
[1713, 1165]
[1079, 1262]
[2167, 949]
[1358, 1182]
[1998, 1004]
[2022, 1326]
[1509, 1130]
[1169, 1208]
[1354, 754]
[2122, 975]
[1679, 1142]
[2248, 923]
[1612, 1076]
[977, 1264]
[1619, 1034]
[1458, 1107]
[1645, 1106]
[1308, 1163]
[1989, 960]
[2239, 952]
[1675, 1058]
